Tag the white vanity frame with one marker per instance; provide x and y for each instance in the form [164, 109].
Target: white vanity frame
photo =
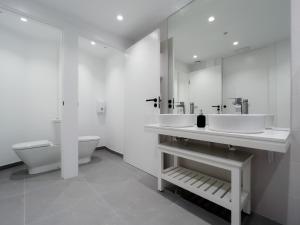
[234, 195]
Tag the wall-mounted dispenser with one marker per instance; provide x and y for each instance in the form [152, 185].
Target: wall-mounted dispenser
[100, 107]
[56, 131]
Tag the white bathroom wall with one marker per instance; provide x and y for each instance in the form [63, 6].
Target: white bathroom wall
[115, 102]
[200, 83]
[28, 90]
[101, 78]
[263, 77]
[91, 89]
[181, 84]
[283, 85]
[205, 88]
[293, 215]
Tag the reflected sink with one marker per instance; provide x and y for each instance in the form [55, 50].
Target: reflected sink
[237, 123]
[177, 120]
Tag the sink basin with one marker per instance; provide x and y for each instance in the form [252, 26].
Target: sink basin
[237, 123]
[177, 120]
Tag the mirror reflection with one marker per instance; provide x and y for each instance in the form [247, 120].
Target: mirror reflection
[231, 56]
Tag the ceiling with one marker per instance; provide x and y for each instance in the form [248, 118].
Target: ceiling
[99, 49]
[253, 23]
[31, 29]
[140, 16]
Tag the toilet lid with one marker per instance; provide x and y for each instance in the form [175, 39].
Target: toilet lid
[32, 144]
[89, 138]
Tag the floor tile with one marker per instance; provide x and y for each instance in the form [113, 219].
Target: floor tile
[35, 182]
[206, 217]
[87, 211]
[11, 182]
[10, 188]
[134, 202]
[55, 198]
[107, 176]
[175, 215]
[255, 219]
[107, 192]
[12, 210]
[13, 173]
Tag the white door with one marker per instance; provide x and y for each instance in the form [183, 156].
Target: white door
[142, 82]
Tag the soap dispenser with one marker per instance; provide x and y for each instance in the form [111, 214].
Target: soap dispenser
[201, 120]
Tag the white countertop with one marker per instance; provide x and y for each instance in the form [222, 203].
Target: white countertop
[270, 140]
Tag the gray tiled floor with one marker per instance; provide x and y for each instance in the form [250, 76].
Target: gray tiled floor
[107, 192]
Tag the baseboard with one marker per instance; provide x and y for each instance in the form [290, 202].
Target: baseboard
[111, 151]
[101, 148]
[11, 165]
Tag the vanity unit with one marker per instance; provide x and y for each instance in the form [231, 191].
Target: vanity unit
[235, 194]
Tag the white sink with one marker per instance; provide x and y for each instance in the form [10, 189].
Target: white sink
[177, 120]
[237, 123]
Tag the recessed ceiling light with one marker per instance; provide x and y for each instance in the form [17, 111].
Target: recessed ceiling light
[120, 17]
[211, 19]
[195, 56]
[93, 43]
[23, 19]
[235, 43]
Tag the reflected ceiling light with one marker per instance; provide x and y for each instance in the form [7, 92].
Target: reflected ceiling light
[23, 19]
[211, 19]
[154, 35]
[93, 43]
[235, 43]
[195, 56]
[120, 17]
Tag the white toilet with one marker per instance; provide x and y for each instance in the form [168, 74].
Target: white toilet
[42, 156]
[39, 156]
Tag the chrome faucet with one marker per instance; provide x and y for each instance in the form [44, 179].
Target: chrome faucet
[181, 105]
[192, 108]
[243, 104]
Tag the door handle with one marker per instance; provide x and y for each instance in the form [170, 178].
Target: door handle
[218, 107]
[151, 100]
[155, 100]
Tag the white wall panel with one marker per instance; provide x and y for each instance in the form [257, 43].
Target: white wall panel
[142, 82]
[28, 90]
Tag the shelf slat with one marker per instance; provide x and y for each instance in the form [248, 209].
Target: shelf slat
[213, 189]
[223, 190]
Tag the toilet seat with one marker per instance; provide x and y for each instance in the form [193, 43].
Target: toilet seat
[32, 144]
[88, 138]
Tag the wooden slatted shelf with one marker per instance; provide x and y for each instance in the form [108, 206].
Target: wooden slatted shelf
[208, 187]
[234, 195]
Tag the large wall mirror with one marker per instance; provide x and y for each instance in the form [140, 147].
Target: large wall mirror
[228, 53]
